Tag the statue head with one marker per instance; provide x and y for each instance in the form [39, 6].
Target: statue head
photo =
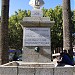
[36, 4]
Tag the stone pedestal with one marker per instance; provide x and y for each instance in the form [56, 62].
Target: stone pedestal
[43, 42]
[36, 42]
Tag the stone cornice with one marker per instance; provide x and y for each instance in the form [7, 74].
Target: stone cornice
[36, 22]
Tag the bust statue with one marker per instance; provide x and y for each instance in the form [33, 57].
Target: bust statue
[36, 4]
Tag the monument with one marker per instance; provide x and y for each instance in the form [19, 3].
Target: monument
[37, 41]
[36, 47]
[36, 35]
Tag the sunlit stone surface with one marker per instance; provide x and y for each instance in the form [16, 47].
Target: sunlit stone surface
[36, 4]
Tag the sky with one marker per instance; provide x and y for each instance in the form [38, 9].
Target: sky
[24, 5]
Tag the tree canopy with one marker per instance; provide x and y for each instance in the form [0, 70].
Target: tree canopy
[15, 30]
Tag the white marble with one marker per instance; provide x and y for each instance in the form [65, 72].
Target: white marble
[36, 4]
[37, 13]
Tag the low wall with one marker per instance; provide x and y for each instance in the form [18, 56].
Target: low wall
[7, 70]
[64, 71]
[37, 70]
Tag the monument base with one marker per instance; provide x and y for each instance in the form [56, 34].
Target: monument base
[43, 56]
[35, 65]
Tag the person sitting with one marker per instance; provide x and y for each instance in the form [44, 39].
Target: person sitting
[15, 57]
[66, 59]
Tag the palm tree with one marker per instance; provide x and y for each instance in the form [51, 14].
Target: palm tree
[67, 27]
[4, 32]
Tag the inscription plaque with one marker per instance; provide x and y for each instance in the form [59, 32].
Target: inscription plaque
[36, 37]
[36, 13]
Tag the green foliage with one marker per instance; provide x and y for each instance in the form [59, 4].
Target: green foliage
[73, 21]
[15, 30]
[44, 11]
[56, 30]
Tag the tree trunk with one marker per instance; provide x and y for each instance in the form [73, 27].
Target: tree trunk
[4, 32]
[67, 27]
